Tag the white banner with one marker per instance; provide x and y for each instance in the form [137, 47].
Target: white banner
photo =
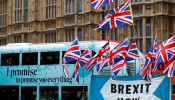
[131, 90]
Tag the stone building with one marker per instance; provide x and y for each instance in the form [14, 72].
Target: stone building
[47, 21]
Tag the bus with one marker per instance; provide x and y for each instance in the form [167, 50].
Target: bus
[34, 71]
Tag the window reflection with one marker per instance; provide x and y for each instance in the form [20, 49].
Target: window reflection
[49, 93]
[28, 93]
[73, 93]
[9, 59]
[9, 93]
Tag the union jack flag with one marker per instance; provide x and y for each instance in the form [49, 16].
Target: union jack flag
[165, 51]
[133, 51]
[101, 3]
[85, 57]
[120, 61]
[118, 17]
[72, 54]
[116, 52]
[147, 69]
[93, 61]
[121, 8]
[65, 69]
[170, 70]
[99, 69]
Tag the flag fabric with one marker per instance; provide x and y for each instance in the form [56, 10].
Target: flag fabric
[165, 51]
[122, 8]
[132, 53]
[119, 61]
[72, 54]
[65, 69]
[118, 17]
[93, 61]
[99, 69]
[116, 52]
[147, 69]
[101, 3]
[170, 70]
[85, 57]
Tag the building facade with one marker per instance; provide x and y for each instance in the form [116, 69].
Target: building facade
[47, 21]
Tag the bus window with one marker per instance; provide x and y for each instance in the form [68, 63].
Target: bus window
[9, 59]
[93, 53]
[28, 93]
[29, 58]
[49, 93]
[73, 92]
[82, 51]
[9, 93]
[50, 57]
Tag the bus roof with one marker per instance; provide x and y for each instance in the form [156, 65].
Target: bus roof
[111, 42]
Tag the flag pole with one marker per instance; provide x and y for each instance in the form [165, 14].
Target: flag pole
[139, 66]
[131, 30]
[135, 67]
[170, 88]
[83, 83]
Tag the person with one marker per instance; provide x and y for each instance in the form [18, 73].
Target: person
[142, 65]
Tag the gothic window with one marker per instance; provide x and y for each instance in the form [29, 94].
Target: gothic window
[141, 28]
[69, 6]
[148, 0]
[73, 5]
[70, 35]
[50, 36]
[46, 39]
[17, 39]
[148, 45]
[18, 11]
[141, 45]
[79, 6]
[116, 3]
[136, 27]
[66, 6]
[73, 34]
[3, 13]
[131, 1]
[116, 34]
[25, 10]
[66, 35]
[108, 33]
[112, 34]
[148, 28]
[136, 0]
[103, 34]
[53, 38]
[25, 38]
[50, 9]
[4, 42]
[132, 31]
[53, 1]
[140, 0]
[79, 34]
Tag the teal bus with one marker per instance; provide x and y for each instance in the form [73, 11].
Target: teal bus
[34, 71]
